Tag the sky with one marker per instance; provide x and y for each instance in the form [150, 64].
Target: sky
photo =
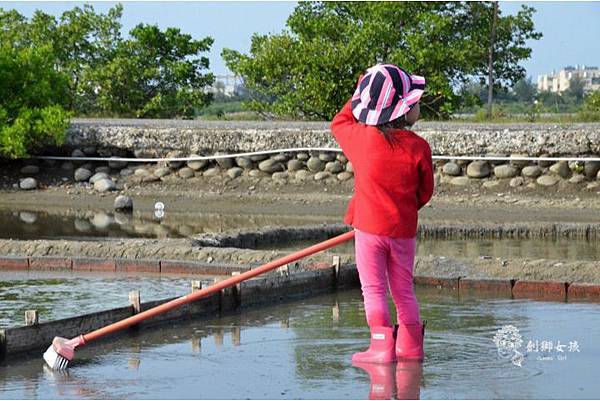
[571, 29]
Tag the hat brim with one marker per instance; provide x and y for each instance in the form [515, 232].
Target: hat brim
[394, 111]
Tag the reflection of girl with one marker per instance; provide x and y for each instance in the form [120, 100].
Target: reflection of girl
[393, 179]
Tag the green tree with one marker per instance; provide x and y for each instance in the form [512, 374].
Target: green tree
[155, 74]
[525, 90]
[575, 89]
[310, 69]
[32, 93]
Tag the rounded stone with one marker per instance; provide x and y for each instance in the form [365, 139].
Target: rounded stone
[104, 185]
[315, 165]
[82, 174]
[31, 169]
[561, 169]
[592, 186]
[302, 175]
[185, 172]
[327, 157]
[344, 176]
[196, 164]
[283, 175]
[77, 153]
[163, 171]
[490, 184]
[519, 163]
[141, 172]
[547, 180]
[98, 176]
[211, 172]
[174, 164]
[126, 172]
[67, 166]
[517, 182]
[349, 167]
[258, 158]
[255, 173]
[303, 156]
[244, 162]
[150, 178]
[281, 158]
[577, 178]
[451, 169]
[88, 166]
[225, 163]
[334, 167]
[591, 169]
[116, 164]
[506, 171]
[28, 183]
[270, 166]
[460, 181]
[545, 163]
[123, 202]
[321, 175]
[531, 171]
[342, 158]
[478, 169]
[89, 150]
[102, 169]
[234, 172]
[294, 165]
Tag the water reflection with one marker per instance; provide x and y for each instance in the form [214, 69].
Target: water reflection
[141, 224]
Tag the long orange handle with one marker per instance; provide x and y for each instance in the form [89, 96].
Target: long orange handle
[167, 306]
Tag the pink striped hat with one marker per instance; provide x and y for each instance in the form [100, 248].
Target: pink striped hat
[385, 93]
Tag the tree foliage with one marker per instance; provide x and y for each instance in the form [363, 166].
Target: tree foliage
[152, 73]
[309, 70]
[32, 94]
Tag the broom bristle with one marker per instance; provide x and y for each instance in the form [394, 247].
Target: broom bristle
[54, 360]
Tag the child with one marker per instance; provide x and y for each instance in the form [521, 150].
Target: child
[393, 179]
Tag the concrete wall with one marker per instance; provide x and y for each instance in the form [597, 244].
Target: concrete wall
[156, 137]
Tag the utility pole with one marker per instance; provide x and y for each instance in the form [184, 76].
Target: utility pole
[491, 61]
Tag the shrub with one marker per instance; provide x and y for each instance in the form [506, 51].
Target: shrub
[32, 94]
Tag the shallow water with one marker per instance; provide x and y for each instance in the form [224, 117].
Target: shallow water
[557, 249]
[91, 225]
[300, 350]
[57, 295]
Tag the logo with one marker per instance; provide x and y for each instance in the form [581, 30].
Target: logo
[508, 341]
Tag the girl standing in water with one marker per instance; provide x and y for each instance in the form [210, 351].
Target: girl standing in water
[393, 179]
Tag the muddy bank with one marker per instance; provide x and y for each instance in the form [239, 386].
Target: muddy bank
[434, 266]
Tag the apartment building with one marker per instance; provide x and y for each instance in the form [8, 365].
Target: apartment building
[559, 82]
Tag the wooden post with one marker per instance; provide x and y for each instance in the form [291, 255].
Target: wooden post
[196, 285]
[31, 317]
[196, 345]
[284, 270]
[134, 300]
[336, 266]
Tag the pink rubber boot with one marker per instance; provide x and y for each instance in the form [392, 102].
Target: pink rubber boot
[409, 341]
[381, 349]
[381, 376]
[408, 380]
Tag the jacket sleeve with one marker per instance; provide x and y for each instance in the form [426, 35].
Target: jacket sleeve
[345, 129]
[425, 191]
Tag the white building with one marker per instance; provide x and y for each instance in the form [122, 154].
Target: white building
[559, 82]
[225, 84]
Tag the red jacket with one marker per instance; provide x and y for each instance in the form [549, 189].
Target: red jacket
[390, 184]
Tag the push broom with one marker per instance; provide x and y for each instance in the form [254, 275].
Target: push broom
[62, 350]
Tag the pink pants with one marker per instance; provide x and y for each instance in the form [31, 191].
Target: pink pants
[381, 262]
